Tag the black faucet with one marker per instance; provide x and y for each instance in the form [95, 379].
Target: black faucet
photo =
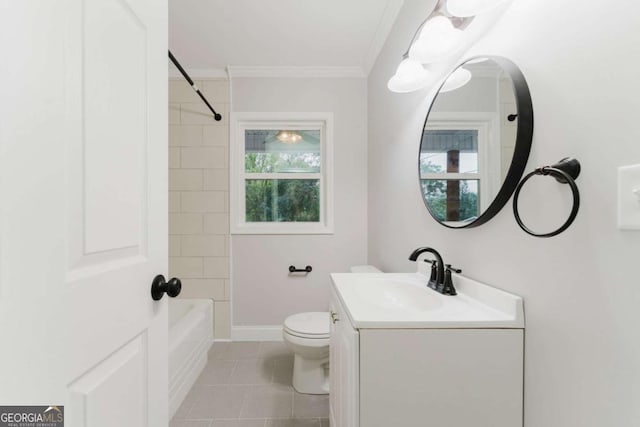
[442, 282]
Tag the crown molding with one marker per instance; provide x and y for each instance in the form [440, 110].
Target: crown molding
[295, 72]
[199, 73]
[385, 26]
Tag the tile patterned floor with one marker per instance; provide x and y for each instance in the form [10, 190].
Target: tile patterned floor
[248, 384]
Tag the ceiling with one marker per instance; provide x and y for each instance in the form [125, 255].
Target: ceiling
[214, 34]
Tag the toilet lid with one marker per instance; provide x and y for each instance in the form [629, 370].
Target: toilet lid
[314, 324]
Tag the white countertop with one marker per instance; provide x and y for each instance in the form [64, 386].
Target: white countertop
[403, 300]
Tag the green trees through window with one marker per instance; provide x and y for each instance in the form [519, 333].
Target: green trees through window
[290, 200]
[435, 193]
[282, 181]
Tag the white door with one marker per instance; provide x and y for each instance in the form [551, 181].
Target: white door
[83, 208]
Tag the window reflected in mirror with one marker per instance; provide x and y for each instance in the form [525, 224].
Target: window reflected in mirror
[469, 142]
[449, 172]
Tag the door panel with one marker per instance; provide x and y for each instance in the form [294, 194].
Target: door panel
[83, 218]
[115, 122]
[96, 398]
[109, 210]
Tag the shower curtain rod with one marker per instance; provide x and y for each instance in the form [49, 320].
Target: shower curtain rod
[173, 59]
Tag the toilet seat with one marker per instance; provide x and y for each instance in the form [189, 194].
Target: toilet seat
[306, 336]
[312, 325]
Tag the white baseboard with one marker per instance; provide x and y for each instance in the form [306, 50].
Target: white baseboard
[256, 333]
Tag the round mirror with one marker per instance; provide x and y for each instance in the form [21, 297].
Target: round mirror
[475, 142]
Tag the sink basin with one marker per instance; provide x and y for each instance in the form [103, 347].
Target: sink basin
[397, 294]
[403, 301]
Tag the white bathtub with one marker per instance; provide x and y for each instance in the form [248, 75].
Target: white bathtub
[190, 337]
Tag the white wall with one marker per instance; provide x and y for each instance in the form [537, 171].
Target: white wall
[263, 291]
[581, 289]
[479, 95]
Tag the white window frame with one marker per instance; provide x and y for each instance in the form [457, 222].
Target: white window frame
[239, 122]
[488, 150]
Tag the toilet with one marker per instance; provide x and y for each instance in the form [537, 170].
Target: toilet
[307, 336]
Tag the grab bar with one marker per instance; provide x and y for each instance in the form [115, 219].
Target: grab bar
[293, 269]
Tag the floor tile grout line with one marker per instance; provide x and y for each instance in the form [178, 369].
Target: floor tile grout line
[233, 370]
[293, 400]
[244, 398]
[192, 405]
[273, 373]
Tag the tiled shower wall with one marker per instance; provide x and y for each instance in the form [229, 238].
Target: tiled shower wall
[199, 195]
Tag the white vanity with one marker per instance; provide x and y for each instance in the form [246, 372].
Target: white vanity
[404, 355]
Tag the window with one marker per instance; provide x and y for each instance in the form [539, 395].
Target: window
[281, 173]
[454, 159]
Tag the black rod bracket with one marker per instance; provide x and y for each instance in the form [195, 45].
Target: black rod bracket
[173, 59]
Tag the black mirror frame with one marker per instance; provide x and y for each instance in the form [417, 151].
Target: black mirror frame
[524, 137]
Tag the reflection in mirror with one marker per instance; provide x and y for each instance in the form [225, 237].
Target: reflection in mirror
[469, 140]
[452, 154]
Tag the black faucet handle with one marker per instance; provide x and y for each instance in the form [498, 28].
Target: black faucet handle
[433, 280]
[447, 287]
[448, 267]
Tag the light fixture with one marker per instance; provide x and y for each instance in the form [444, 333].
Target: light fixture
[440, 37]
[438, 40]
[288, 137]
[410, 76]
[456, 80]
[466, 8]
[477, 60]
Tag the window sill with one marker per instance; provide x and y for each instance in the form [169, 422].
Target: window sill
[282, 229]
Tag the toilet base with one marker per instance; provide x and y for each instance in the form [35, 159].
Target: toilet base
[311, 376]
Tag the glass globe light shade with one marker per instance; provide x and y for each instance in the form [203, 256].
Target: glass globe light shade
[438, 40]
[410, 76]
[456, 80]
[466, 8]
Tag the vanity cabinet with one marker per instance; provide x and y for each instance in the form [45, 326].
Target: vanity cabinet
[344, 362]
[417, 377]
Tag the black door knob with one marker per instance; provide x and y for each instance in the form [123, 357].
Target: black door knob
[159, 286]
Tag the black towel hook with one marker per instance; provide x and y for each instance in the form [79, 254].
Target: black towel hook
[566, 171]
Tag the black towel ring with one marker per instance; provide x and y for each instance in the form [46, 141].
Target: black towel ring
[565, 172]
